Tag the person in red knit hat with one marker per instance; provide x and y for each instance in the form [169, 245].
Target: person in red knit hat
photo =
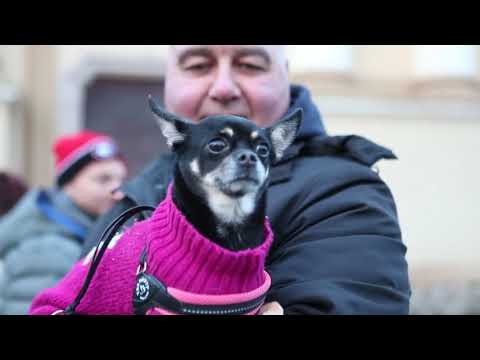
[42, 236]
[89, 168]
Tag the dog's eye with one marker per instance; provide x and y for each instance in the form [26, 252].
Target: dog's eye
[263, 150]
[217, 146]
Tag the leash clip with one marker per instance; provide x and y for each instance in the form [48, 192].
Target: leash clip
[143, 262]
[140, 269]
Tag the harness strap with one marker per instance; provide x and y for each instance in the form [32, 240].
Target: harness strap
[152, 297]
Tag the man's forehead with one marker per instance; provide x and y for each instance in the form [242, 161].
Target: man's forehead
[272, 50]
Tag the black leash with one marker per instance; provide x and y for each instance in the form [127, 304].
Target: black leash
[106, 238]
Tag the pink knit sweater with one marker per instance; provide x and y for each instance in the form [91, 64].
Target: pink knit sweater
[178, 255]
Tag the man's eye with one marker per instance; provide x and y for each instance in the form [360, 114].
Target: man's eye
[198, 67]
[103, 179]
[217, 146]
[251, 67]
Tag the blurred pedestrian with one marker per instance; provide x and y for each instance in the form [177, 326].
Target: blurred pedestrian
[12, 188]
[42, 236]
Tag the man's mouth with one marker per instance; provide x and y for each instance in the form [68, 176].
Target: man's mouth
[203, 116]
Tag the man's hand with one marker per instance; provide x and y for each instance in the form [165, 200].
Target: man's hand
[273, 308]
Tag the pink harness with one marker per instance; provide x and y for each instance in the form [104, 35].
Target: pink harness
[151, 297]
[195, 304]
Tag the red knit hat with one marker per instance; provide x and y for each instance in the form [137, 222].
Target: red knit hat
[73, 152]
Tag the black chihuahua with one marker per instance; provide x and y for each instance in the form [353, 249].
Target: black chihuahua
[221, 172]
[220, 180]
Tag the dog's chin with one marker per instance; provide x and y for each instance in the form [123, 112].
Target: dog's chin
[240, 187]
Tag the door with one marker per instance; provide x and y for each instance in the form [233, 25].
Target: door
[119, 107]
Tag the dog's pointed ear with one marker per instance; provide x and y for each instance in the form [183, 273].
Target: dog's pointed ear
[283, 134]
[172, 126]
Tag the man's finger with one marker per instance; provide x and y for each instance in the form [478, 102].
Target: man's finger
[273, 308]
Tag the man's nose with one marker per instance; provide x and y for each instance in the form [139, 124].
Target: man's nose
[224, 88]
[115, 184]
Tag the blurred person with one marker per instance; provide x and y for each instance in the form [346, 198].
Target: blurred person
[12, 188]
[42, 236]
[338, 246]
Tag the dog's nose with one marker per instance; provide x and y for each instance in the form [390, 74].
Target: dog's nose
[247, 158]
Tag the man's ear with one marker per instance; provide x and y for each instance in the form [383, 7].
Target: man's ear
[283, 134]
[173, 127]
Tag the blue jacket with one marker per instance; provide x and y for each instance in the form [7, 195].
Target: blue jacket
[37, 248]
[338, 246]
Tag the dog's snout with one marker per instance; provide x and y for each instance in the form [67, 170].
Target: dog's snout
[247, 158]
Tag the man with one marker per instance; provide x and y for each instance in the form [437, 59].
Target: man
[338, 246]
[42, 237]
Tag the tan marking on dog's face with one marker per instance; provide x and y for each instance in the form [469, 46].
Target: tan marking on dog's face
[227, 131]
[194, 167]
[254, 135]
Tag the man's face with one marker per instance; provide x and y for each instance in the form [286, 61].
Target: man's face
[246, 80]
[91, 189]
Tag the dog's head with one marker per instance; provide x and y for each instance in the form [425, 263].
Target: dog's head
[226, 159]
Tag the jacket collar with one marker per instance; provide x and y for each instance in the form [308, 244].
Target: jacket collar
[312, 124]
